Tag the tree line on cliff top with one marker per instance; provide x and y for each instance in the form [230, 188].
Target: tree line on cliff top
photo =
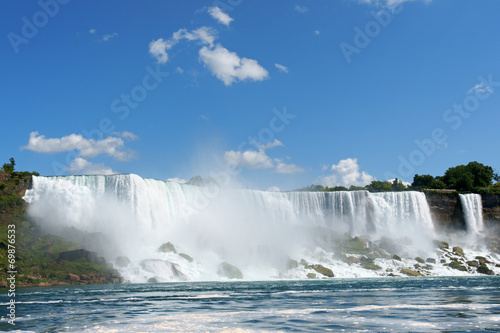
[473, 177]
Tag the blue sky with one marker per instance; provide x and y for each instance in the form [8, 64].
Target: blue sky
[286, 93]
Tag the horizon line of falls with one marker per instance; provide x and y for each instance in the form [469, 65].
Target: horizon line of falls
[257, 231]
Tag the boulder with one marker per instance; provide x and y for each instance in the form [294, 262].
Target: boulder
[166, 270]
[78, 254]
[311, 275]
[430, 260]
[351, 260]
[229, 271]
[456, 265]
[410, 272]
[441, 244]
[153, 280]
[187, 257]
[458, 251]
[368, 263]
[73, 277]
[122, 261]
[356, 245]
[323, 270]
[291, 264]
[483, 269]
[167, 247]
[473, 263]
[396, 257]
[420, 260]
[304, 262]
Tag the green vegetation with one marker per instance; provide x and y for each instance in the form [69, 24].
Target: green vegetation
[473, 177]
[36, 253]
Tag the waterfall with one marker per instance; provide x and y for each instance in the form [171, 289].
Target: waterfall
[254, 229]
[472, 208]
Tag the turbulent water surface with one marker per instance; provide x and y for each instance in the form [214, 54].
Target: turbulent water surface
[431, 304]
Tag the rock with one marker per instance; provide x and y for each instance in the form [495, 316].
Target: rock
[229, 271]
[356, 245]
[73, 277]
[117, 279]
[122, 261]
[304, 262]
[187, 257]
[430, 260]
[420, 260]
[100, 261]
[442, 244]
[168, 271]
[443, 261]
[323, 270]
[78, 254]
[153, 280]
[456, 265]
[392, 275]
[291, 264]
[483, 260]
[473, 263]
[368, 263]
[311, 275]
[410, 272]
[167, 247]
[351, 260]
[396, 257]
[458, 251]
[483, 269]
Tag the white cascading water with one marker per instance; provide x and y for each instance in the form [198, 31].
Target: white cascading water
[126, 215]
[472, 208]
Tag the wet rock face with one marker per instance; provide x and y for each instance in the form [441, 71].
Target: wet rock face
[229, 271]
[491, 209]
[446, 210]
[78, 254]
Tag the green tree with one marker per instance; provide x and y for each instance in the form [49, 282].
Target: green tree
[378, 186]
[423, 181]
[9, 167]
[468, 177]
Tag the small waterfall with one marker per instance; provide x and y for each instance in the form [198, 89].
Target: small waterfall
[472, 208]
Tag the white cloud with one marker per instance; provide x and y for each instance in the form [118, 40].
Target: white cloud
[258, 159]
[251, 159]
[301, 9]
[389, 3]
[316, 32]
[273, 189]
[92, 31]
[158, 48]
[229, 67]
[82, 166]
[179, 70]
[275, 143]
[205, 35]
[220, 16]
[390, 181]
[480, 88]
[345, 173]
[113, 145]
[287, 168]
[107, 37]
[281, 68]
[205, 117]
[177, 180]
